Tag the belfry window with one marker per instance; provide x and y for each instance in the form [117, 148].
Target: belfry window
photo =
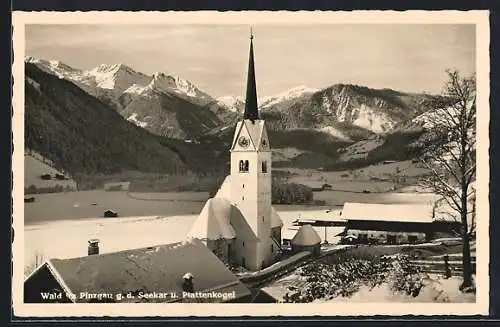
[243, 166]
[264, 167]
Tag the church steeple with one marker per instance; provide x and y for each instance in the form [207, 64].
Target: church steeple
[251, 111]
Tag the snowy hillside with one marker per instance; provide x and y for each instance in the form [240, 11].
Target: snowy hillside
[373, 110]
[347, 106]
[285, 96]
[335, 132]
[161, 103]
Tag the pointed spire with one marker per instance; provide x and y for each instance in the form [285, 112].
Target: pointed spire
[251, 111]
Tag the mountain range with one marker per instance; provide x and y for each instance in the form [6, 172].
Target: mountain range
[83, 135]
[171, 113]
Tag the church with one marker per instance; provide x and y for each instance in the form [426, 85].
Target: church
[239, 223]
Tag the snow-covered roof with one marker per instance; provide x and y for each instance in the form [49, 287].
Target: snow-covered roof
[288, 233]
[422, 213]
[153, 268]
[306, 236]
[225, 189]
[275, 219]
[213, 222]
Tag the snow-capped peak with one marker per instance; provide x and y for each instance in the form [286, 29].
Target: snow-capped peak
[292, 93]
[165, 82]
[114, 68]
[54, 67]
[31, 59]
[231, 102]
[117, 77]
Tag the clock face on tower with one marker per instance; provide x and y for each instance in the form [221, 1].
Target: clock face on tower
[243, 142]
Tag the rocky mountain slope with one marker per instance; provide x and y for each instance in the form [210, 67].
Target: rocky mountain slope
[377, 111]
[83, 135]
[163, 104]
[338, 124]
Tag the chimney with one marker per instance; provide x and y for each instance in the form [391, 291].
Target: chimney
[93, 246]
[187, 285]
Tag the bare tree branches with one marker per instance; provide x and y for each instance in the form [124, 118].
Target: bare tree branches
[452, 162]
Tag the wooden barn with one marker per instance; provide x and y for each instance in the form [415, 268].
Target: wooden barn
[394, 223]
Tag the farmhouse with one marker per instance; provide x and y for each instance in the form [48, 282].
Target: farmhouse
[239, 223]
[153, 274]
[393, 223]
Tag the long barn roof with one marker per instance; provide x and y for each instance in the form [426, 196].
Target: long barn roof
[422, 213]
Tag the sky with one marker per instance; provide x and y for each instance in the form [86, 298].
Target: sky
[405, 57]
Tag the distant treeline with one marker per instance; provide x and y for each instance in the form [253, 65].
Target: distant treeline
[32, 189]
[291, 193]
[283, 193]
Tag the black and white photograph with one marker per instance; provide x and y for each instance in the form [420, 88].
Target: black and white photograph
[297, 163]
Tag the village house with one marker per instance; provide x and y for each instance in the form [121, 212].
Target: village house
[394, 223]
[157, 274]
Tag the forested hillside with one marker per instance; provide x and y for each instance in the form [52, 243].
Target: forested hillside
[81, 134]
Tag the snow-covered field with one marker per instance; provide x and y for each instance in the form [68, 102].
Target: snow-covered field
[373, 176]
[69, 238]
[34, 168]
[87, 204]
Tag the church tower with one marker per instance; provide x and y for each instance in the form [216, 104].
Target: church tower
[251, 179]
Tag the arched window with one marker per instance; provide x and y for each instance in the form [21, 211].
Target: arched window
[264, 167]
[242, 165]
[246, 165]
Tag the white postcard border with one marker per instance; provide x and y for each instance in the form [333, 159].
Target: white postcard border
[479, 18]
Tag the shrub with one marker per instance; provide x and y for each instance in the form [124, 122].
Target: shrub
[346, 277]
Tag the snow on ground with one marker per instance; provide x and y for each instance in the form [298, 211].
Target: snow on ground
[370, 119]
[133, 118]
[69, 238]
[34, 167]
[286, 154]
[335, 132]
[376, 178]
[360, 149]
[436, 289]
